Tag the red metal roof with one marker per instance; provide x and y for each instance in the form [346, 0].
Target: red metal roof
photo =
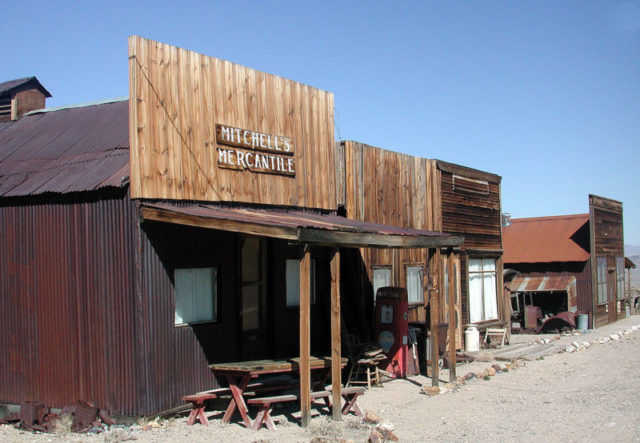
[542, 284]
[64, 150]
[544, 239]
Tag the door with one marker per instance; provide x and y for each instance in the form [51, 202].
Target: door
[611, 295]
[254, 341]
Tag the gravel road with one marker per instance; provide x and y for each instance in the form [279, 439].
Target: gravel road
[589, 395]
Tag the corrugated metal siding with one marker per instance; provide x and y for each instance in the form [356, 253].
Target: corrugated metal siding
[177, 358]
[67, 273]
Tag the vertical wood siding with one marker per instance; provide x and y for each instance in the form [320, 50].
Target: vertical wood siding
[382, 186]
[607, 241]
[176, 99]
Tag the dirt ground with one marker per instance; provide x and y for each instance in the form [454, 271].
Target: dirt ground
[586, 395]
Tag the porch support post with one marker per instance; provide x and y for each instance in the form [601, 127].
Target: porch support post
[434, 317]
[305, 342]
[452, 316]
[336, 347]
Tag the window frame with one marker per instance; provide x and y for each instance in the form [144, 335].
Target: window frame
[215, 287]
[421, 267]
[375, 268]
[483, 273]
[620, 278]
[601, 281]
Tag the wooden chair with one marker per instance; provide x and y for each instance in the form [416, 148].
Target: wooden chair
[499, 334]
[364, 360]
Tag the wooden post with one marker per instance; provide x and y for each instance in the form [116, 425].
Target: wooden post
[336, 346]
[305, 341]
[433, 320]
[452, 317]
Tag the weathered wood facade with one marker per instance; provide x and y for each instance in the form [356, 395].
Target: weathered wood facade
[382, 186]
[607, 259]
[182, 97]
[588, 247]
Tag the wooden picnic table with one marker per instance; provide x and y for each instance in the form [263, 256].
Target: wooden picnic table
[239, 374]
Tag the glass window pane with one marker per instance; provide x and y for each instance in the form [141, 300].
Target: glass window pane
[250, 307]
[381, 278]
[475, 298]
[490, 300]
[293, 282]
[475, 264]
[414, 284]
[489, 264]
[250, 259]
[195, 290]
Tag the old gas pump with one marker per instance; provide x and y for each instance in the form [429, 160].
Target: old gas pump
[392, 328]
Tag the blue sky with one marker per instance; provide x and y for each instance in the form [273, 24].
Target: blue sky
[544, 93]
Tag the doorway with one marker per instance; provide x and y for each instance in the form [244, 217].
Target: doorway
[254, 340]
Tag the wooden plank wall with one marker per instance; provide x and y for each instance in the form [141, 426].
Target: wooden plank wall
[608, 241]
[471, 207]
[382, 186]
[176, 99]
[387, 187]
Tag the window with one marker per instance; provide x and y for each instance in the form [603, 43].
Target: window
[620, 277]
[293, 282]
[414, 284]
[602, 280]
[381, 278]
[195, 292]
[483, 301]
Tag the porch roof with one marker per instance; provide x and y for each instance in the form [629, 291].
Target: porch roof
[297, 226]
[542, 284]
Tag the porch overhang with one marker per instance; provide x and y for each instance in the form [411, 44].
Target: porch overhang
[297, 226]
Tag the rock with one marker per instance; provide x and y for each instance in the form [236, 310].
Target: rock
[449, 386]
[371, 417]
[497, 367]
[431, 390]
[569, 349]
[470, 376]
[387, 434]
[480, 375]
[586, 344]
[461, 380]
[375, 437]
[614, 337]
[490, 371]
[575, 345]
[508, 366]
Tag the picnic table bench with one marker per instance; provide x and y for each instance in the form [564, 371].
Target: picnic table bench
[265, 404]
[199, 399]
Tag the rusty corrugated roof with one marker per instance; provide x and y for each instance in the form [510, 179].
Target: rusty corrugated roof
[72, 149]
[542, 284]
[545, 239]
[296, 225]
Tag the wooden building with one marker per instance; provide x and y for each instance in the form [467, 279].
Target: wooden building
[196, 222]
[570, 263]
[381, 186]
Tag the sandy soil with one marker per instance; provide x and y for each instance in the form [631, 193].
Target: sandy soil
[588, 395]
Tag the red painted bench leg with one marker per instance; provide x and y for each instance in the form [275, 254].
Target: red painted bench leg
[197, 413]
[264, 417]
[351, 403]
